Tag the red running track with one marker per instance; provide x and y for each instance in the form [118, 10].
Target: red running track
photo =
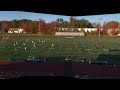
[94, 69]
[58, 68]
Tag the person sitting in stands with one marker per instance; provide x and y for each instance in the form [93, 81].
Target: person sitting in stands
[90, 61]
[41, 60]
[82, 61]
[68, 59]
[44, 60]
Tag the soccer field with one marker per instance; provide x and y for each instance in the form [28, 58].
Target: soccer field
[57, 49]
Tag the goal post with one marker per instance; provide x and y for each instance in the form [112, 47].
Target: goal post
[5, 37]
[73, 34]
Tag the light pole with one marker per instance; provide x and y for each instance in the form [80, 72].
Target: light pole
[39, 25]
[99, 26]
[99, 31]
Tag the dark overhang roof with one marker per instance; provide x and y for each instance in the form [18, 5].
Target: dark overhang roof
[62, 7]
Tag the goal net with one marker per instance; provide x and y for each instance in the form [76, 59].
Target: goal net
[72, 34]
[5, 37]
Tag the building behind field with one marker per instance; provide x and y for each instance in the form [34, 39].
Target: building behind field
[88, 29]
[109, 31]
[79, 29]
[15, 30]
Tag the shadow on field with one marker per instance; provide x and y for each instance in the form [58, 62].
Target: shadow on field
[111, 59]
[55, 59]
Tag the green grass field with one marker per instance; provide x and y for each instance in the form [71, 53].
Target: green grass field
[77, 48]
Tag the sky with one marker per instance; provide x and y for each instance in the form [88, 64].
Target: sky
[10, 15]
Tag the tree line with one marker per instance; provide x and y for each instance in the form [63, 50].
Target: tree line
[31, 26]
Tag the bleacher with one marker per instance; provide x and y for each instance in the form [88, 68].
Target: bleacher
[33, 61]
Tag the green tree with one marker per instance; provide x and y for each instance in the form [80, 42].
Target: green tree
[66, 24]
[82, 30]
[75, 30]
[50, 32]
[91, 32]
[60, 22]
[19, 24]
[31, 27]
[71, 22]
[80, 23]
[14, 24]
[87, 33]
[61, 30]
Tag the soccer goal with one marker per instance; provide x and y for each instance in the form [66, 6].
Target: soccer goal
[72, 34]
[69, 37]
[5, 37]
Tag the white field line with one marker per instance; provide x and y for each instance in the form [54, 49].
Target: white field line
[105, 49]
[110, 45]
[45, 45]
[60, 46]
[72, 54]
[78, 50]
[54, 45]
[94, 48]
[106, 44]
[34, 51]
[69, 47]
[64, 52]
[77, 47]
[43, 48]
[84, 47]
[37, 51]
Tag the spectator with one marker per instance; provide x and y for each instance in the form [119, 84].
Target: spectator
[82, 61]
[90, 61]
[67, 58]
[44, 60]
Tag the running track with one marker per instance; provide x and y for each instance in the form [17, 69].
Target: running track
[58, 69]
